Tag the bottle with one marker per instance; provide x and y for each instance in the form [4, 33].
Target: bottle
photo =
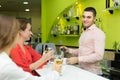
[46, 47]
[62, 52]
[68, 29]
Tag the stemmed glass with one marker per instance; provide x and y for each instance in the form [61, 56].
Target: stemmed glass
[46, 49]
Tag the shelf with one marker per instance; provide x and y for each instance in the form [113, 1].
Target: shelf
[70, 35]
[113, 8]
[74, 17]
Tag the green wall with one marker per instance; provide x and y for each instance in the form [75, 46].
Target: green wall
[109, 22]
[50, 10]
[43, 18]
[112, 28]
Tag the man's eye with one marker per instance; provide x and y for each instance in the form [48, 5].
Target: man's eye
[83, 16]
[88, 17]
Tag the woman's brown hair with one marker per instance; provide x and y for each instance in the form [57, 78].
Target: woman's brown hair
[23, 24]
[9, 27]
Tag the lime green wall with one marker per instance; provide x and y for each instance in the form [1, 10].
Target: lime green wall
[112, 28]
[51, 8]
[109, 22]
[43, 18]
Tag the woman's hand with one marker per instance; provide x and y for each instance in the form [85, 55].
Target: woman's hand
[47, 55]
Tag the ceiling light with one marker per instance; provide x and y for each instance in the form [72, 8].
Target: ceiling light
[25, 2]
[0, 6]
[27, 9]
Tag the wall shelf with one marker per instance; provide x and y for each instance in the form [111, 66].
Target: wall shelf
[70, 35]
[69, 18]
[110, 9]
[113, 8]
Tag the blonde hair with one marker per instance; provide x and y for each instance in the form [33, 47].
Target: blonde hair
[9, 27]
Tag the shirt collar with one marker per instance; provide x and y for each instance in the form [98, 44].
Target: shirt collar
[92, 27]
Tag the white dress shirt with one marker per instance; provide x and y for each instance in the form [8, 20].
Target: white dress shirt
[91, 49]
[10, 71]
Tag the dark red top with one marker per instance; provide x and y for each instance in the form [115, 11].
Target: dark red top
[24, 60]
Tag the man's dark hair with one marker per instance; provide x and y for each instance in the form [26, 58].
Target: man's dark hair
[91, 9]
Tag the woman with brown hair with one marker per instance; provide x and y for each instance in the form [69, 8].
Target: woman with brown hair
[24, 55]
[9, 35]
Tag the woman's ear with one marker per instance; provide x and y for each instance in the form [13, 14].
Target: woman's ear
[20, 32]
[17, 36]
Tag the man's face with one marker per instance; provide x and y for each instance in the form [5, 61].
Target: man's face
[88, 19]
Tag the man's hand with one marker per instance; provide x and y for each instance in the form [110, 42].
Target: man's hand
[66, 48]
[72, 60]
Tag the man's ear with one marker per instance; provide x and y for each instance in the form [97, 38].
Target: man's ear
[94, 19]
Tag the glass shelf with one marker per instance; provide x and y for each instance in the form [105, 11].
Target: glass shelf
[70, 35]
[113, 8]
